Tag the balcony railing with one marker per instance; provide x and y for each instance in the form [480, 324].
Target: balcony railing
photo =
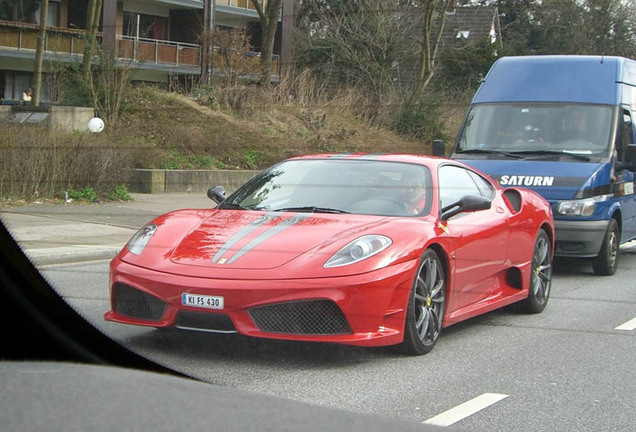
[158, 51]
[23, 37]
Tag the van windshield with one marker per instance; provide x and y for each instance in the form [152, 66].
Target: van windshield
[530, 130]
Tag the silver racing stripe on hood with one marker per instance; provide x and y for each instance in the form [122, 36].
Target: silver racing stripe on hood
[283, 225]
[244, 232]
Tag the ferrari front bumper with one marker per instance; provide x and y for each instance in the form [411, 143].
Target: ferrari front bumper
[367, 309]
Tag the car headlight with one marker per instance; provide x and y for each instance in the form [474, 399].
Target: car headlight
[358, 250]
[584, 207]
[138, 242]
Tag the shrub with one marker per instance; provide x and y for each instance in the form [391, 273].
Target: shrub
[36, 162]
[120, 194]
[420, 121]
[206, 95]
[86, 194]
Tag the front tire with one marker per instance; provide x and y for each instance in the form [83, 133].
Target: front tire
[540, 275]
[427, 301]
[606, 263]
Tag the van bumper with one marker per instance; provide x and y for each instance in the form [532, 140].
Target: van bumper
[580, 239]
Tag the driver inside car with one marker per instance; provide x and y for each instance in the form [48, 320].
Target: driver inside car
[414, 196]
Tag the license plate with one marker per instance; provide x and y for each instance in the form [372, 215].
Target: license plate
[202, 301]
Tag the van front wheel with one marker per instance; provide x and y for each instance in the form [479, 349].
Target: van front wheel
[606, 262]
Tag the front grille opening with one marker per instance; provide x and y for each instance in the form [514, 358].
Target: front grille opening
[212, 322]
[307, 317]
[137, 304]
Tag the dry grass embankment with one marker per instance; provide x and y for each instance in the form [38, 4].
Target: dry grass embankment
[158, 129]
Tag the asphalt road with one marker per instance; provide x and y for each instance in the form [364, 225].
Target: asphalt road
[570, 368]
[567, 369]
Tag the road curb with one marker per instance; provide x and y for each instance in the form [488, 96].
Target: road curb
[72, 254]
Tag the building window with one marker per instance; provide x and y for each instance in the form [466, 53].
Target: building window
[145, 26]
[51, 16]
[27, 11]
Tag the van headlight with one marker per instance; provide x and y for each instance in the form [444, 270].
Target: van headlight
[583, 207]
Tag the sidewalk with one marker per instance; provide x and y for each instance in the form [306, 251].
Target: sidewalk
[66, 233]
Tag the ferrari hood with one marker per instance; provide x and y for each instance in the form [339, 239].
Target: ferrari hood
[255, 240]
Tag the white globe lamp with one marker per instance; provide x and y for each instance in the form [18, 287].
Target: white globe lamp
[96, 125]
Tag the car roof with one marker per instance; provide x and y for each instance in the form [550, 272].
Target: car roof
[427, 160]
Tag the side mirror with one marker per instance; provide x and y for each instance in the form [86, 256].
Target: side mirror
[438, 148]
[468, 203]
[217, 194]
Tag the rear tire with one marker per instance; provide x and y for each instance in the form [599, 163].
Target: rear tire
[606, 263]
[540, 275]
[425, 311]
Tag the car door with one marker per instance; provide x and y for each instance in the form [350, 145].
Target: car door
[626, 179]
[480, 237]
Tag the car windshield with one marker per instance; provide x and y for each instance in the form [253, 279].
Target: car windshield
[337, 186]
[531, 130]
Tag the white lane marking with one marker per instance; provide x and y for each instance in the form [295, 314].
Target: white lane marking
[629, 325]
[466, 409]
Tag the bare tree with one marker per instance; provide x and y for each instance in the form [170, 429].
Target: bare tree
[432, 14]
[568, 27]
[109, 82]
[39, 54]
[380, 42]
[229, 54]
[356, 44]
[269, 16]
[93, 15]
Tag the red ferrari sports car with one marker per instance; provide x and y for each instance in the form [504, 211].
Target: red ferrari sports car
[360, 249]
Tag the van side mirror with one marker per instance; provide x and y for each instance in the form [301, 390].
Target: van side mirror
[217, 194]
[468, 203]
[438, 148]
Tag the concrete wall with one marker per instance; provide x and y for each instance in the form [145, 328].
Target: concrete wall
[5, 110]
[54, 117]
[70, 118]
[160, 181]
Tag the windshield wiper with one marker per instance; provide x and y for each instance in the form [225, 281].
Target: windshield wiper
[232, 206]
[310, 209]
[554, 152]
[487, 151]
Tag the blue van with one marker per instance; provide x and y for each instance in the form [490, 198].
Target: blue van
[562, 126]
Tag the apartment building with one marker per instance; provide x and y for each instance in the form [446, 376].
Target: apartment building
[159, 39]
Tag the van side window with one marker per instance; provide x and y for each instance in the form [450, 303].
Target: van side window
[626, 134]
